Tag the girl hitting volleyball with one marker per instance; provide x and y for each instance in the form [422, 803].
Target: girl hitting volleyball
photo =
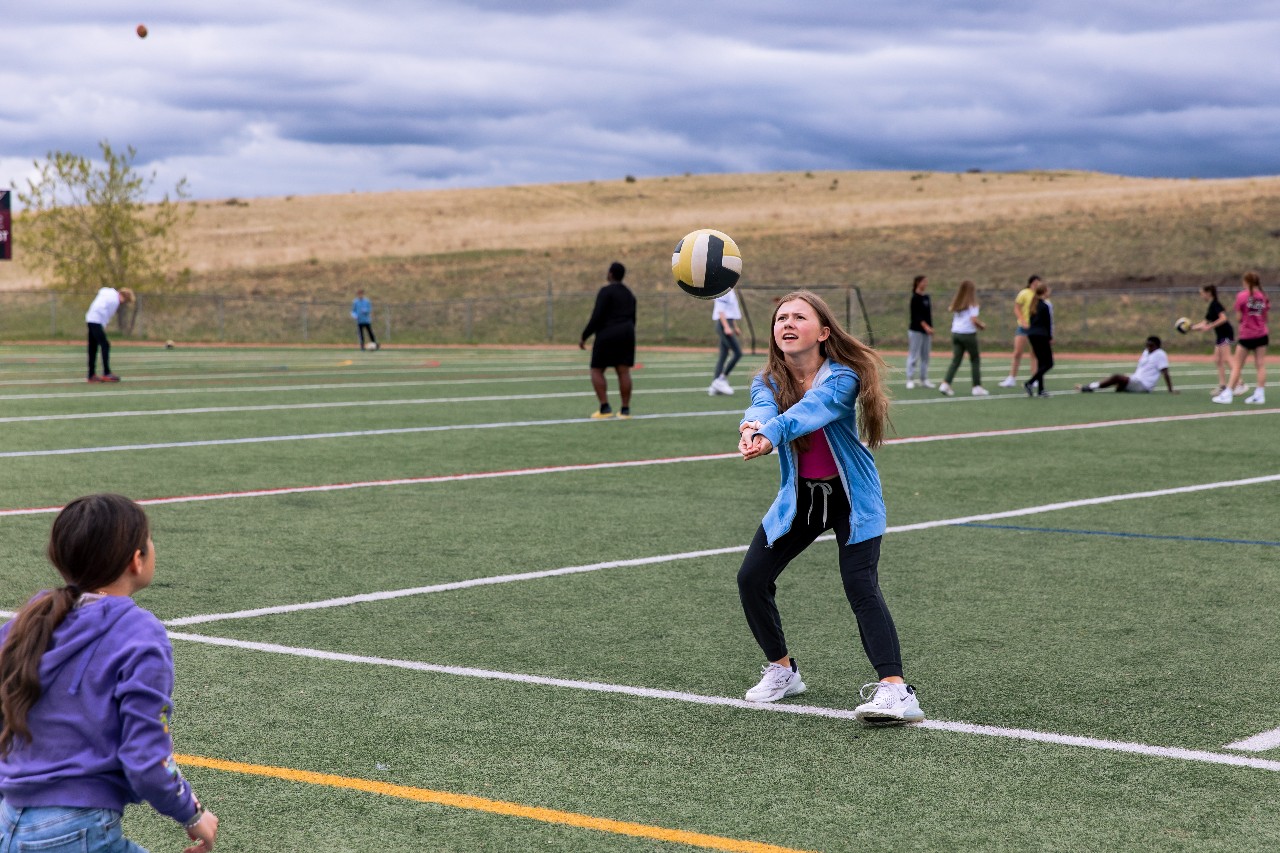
[819, 390]
[85, 682]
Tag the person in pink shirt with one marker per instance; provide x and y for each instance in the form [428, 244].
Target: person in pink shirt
[1253, 306]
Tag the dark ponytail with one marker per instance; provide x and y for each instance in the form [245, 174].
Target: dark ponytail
[92, 542]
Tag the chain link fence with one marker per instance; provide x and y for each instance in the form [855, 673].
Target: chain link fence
[1110, 320]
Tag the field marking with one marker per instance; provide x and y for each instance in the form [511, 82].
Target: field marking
[219, 442]
[322, 370]
[418, 401]
[483, 804]
[742, 704]
[1257, 743]
[687, 555]
[1125, 535]
[324, 386]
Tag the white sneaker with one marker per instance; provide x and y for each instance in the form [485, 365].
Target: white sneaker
[946, 390]
[979, 391]
[1239, 389]
[911, 386]
[1258, 396]
[889, 703]
[1008, 382]
[1223, 397]
[926, 383]
[722, 385]
[777, 682]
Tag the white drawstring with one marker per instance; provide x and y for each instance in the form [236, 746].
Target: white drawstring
[826, 493]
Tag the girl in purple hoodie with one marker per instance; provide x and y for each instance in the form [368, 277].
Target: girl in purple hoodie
[86, 677]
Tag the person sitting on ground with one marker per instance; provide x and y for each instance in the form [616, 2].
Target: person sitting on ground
[1152, 364]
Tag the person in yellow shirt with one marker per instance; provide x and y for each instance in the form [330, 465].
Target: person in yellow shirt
[1021, 316]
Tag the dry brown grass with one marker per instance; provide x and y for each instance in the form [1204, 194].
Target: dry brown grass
[872, 228]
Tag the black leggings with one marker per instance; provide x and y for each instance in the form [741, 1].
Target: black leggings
[98, 340]
[366, 327]
[1043, 348]
[858, 570]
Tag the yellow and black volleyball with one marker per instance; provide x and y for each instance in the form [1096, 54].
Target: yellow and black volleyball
[706, 263]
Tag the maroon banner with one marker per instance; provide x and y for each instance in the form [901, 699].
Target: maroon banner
[6, 233]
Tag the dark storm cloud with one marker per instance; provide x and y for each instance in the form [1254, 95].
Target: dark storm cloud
[289, 97]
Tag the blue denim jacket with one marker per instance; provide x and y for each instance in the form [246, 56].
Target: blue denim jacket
[828, 405]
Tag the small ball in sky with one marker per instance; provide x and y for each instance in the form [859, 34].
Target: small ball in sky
[142, 31]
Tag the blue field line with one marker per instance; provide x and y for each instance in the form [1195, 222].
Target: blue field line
[1124, 535]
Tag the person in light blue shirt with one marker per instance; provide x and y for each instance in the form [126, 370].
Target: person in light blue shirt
[820, 402]
[362, 313]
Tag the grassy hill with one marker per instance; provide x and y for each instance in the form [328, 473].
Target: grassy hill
[876, 229]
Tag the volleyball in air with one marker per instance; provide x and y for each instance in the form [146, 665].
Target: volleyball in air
[706, 263]
[1183, 325]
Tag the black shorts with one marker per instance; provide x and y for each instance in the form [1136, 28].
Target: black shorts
[614, 347]
[1253, 343]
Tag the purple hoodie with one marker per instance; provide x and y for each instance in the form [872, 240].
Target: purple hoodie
[100, 730]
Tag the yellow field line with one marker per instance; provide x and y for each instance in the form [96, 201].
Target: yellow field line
[464, 801]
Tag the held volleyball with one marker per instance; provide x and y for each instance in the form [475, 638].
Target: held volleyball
[1183, 325]
[706, 263]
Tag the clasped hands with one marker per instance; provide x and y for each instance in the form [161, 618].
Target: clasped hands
[753, 445]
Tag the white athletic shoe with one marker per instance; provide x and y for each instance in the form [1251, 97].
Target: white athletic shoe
[889, 703]
[1257, 397]
[1240, 389]
[911, 386]
[711, 389]
[777, 682]
[946, 390]
[926, 383]
[1224, 396]
[722, 385]
[1008, 382]
[979, 391]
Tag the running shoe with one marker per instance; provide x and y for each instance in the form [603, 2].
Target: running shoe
[888, 704]
[1008, 382]
[777, 682]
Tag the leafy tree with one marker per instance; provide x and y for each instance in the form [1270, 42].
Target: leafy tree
[87, 225]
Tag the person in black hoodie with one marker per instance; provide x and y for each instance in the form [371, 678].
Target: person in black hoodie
[613, 322]
[919, 334]
[1040, 333]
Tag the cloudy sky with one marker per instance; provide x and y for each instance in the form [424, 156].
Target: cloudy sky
[276, 97]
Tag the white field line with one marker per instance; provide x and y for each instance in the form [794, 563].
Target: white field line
[326, 386]
[333, 404]
[419, 401]
[217, 442]
[691, 555]
[323, 371]
[1258, 743]
[741, 704]
[404, 481]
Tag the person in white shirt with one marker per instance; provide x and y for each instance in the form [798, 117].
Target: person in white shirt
[101, 310]
[964, 338]
[726, 313]
[1152, 364]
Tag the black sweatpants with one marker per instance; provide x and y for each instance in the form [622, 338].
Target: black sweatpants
[98, 340]
[366, 327]
[1043, 348]
[817, 512]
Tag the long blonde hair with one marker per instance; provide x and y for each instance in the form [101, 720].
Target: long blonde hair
[842, 348]
[966, 297]
[1038, 290]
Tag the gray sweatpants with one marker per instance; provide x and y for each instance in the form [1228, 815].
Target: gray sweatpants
[919, 345]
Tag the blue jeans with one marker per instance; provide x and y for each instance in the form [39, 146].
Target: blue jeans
[59, 829]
